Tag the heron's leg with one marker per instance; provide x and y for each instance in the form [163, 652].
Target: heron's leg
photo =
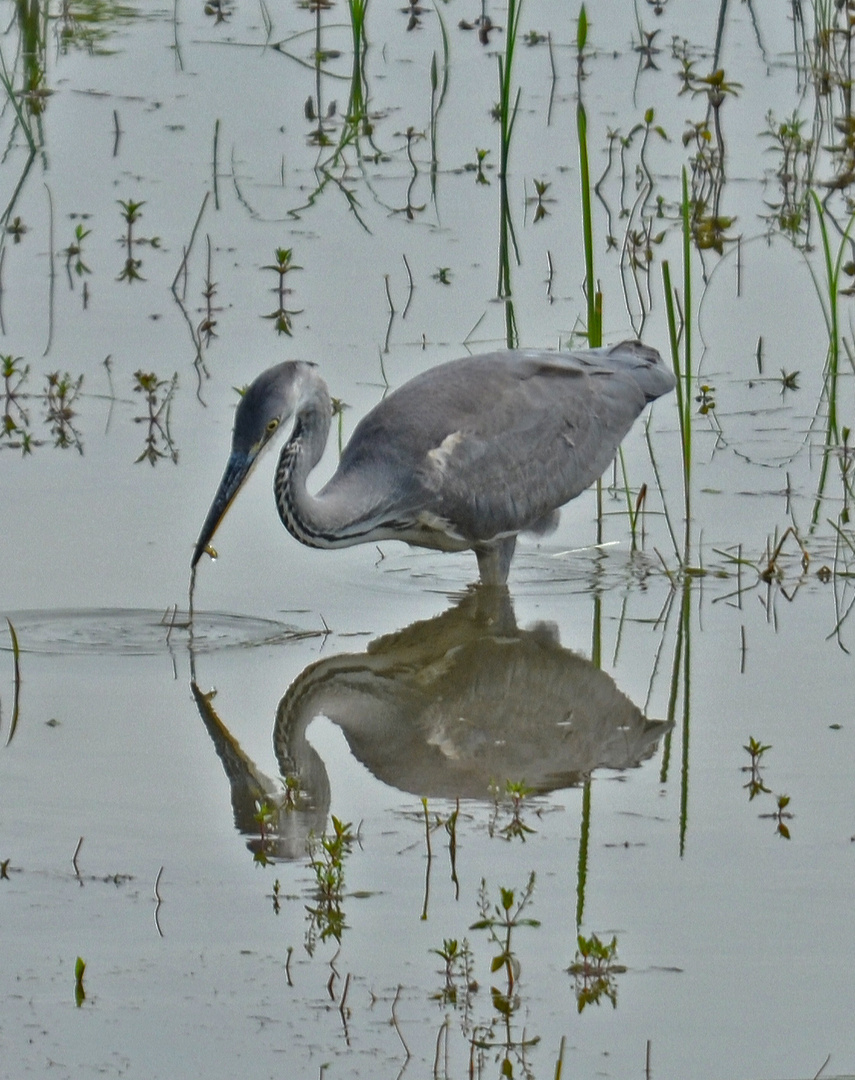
[494, 559]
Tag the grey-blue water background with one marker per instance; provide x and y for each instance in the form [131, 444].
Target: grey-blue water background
[158, 164]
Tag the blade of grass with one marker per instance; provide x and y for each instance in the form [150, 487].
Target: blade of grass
[16, 695]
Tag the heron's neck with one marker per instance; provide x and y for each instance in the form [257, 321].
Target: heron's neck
[304, 516]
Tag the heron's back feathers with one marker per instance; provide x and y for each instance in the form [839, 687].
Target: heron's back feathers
[492, 445]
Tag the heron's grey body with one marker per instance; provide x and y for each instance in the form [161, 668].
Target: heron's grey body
[466, 455]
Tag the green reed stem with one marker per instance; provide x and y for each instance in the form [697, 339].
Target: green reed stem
[828, 301]
[683, 364]
[593, 297]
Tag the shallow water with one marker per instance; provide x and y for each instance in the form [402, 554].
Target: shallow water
[130, 828]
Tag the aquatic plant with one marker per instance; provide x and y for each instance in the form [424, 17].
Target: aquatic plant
[458, 972]
[79, 992]
[327, 855]
[158, 395]
[516, 791]
[282, 266]
[682, 360]
[501, 920]
[593, 969]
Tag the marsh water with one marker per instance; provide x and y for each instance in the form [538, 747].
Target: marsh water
[364, 820]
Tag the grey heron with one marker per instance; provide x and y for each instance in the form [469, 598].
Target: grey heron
[467, 455]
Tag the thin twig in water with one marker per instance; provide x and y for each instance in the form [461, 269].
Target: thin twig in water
[396, 1025]
[341, 1005]
[333, 975]
[183, 264]
[16, 693]
[411, 287]
[822, 1067]
[74, 858]
[159, 899]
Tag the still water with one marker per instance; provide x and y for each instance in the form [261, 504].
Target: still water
[642, 744]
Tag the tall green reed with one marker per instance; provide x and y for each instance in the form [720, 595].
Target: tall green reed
[683, 363]
[507, 113]
[828, 293]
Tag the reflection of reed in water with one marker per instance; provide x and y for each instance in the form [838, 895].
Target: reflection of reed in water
[443, 708]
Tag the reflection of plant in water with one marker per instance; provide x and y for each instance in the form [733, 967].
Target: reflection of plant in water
[131, 213]
[61, 393]
[282, 316]
[74, 263]
[459, 968]
[797, 155]
[88, 24]
[516, 792]
[594, 969]
[16, 229]
[221, 10]
[79, 992]
[755, 750]
[709, 225]
[501, 920]
[32, 16]
[828, 293]
[158, 394]
[755, 786]
[15, 373]
[780, 814]
[478, 165]
[265, 817]
[327, 854]
[541, 187]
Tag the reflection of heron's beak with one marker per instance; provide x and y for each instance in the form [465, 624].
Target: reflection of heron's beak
[238, 469]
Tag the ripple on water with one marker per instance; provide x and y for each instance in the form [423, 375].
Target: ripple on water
[141, 632]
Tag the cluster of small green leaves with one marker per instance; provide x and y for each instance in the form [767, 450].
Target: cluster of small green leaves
[516, 792]
[756, 786]
[594, 968]
[157, 394]
[327, 855]
[283, 316]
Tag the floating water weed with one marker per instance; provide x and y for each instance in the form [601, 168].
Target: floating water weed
[479, 165]
[158, 394]
[594, 969]
[283, 266]
[131, 213]
[61, 393]
[754, 785]
[14, 373]
[516, 792]
[74, 263]
[79, 992]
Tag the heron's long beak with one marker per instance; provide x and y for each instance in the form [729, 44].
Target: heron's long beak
[238, 469]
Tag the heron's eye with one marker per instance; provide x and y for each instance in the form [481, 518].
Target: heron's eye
[272, 425]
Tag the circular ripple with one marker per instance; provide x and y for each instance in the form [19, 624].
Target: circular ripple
[139, 632]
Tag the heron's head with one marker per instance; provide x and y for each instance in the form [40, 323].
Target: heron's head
[262, 412]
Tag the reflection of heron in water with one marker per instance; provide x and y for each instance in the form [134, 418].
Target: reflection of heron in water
[444, 709]
[466, 455]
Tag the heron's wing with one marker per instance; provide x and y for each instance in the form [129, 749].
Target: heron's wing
[493, 444]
